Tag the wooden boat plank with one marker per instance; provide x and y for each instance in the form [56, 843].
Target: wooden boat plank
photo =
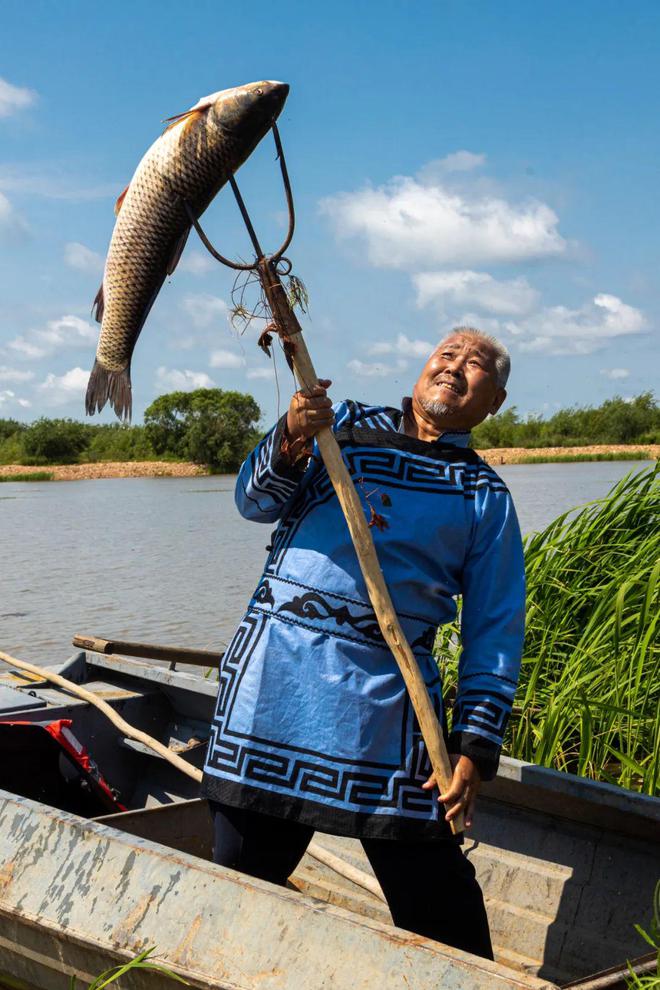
[149, 651]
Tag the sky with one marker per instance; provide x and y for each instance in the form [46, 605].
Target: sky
[494, 164]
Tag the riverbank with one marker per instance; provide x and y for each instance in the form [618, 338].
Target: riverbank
[106, 469]
[184, 469]
[595, 452]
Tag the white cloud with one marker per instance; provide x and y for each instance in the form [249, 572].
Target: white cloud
[458, 289]
[82, 258]
[402, 345]
[406, 224]
[13, 375]
[172, 379]
[13, 228]
[57, 390]
[14, 98]
[257, 373]
[7, 397]
[26, 349]
[457, 161]
[196, 263]
[615, 374]
[66, 331]
[560, 330]
[226, 359]
[205, 309]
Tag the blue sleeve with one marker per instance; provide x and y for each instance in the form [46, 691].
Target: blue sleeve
[492, 630]
[267, 482]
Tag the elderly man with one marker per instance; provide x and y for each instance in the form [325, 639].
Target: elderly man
[313, 727]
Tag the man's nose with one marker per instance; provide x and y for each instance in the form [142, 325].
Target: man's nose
[455, 366]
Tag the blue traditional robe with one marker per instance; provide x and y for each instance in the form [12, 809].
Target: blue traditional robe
[313, 721]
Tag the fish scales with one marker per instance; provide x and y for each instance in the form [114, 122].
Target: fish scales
[189, 163]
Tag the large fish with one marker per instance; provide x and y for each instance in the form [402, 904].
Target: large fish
[190, 161]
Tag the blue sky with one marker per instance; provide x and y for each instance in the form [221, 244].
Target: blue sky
[496, 163]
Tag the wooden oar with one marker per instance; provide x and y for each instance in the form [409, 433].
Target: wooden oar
[324, 856]
[148, 651]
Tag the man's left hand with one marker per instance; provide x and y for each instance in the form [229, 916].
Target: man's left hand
[462, 792]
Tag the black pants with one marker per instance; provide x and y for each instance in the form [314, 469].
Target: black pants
[430, 887]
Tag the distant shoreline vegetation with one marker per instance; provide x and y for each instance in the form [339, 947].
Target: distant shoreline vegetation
[28, 476]
[217, 429]
[607, 455]
[616, 421]
[207, 426]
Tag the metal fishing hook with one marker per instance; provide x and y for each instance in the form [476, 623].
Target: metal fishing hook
[275, 259]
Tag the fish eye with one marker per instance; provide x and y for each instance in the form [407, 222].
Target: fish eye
[260, 92]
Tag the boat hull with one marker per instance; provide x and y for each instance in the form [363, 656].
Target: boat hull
[77, 897]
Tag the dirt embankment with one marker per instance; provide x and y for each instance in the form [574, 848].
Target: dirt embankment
[108, 469]
[170, 469]
[517, 455]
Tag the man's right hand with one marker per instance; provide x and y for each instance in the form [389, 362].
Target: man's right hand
[309, 413]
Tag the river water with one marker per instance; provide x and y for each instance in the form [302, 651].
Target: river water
[169, 560]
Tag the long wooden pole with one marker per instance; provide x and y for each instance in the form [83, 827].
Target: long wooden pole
[318, 852]
[291, 332]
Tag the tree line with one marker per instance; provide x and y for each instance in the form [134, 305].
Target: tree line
[615, 421]
[218, 428]
[208, 426]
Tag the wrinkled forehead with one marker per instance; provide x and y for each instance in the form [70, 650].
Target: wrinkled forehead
[469, 344]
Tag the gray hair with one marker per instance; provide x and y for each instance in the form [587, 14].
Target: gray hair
[502, 356]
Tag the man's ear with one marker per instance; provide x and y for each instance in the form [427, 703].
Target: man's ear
[500, 396]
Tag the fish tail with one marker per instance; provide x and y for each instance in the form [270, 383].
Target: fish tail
[112, 386]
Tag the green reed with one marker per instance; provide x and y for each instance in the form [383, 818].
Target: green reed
[141, 961]
[609, 455]
[28, 476]
[589, 695]
[649, 981]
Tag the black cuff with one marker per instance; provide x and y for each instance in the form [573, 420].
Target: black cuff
[484, 754]
[281, 464]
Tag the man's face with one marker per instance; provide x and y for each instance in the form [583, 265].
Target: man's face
[458, 387]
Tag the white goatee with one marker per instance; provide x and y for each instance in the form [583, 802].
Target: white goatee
[434, 407]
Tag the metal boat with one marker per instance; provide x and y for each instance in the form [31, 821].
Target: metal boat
[105, 850]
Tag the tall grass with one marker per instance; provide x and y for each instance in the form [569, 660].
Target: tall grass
[610, 455]
[649, 981]
[28, 476]
[589, 694]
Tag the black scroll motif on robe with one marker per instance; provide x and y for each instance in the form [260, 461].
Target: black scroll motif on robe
[312, 605]
[264, 595]
[425, 641]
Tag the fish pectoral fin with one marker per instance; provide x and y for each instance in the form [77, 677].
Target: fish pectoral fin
[177, 251]
[98, 305]
[120, 200]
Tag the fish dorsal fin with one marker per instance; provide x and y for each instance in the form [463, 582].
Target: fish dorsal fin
[177, 251]
[188, 115]
[98, 305]
[120, 201]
